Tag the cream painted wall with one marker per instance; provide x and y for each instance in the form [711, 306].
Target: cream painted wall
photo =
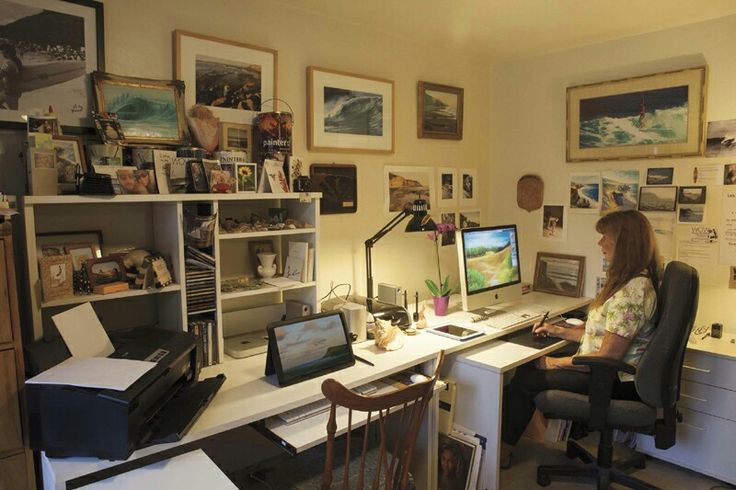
[527, 135]
[139, 43]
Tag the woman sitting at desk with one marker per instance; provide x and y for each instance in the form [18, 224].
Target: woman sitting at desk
[619, 326]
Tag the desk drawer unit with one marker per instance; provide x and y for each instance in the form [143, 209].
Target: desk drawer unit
[709, 369]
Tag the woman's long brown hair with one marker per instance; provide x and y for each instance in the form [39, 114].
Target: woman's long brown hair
[635, 252]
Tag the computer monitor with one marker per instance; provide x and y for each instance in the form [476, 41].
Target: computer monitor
[489, 265]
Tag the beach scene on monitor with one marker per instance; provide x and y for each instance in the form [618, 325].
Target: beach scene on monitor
[491, 258]
[306, 347]
[649, 117]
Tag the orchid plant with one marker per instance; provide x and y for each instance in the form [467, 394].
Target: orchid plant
[440, 288]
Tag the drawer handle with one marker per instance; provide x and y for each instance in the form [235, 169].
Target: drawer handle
[694, 426]
[706, 371]
[683, 395]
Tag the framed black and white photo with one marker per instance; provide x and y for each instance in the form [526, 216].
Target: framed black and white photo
[338, 185]
[231, 78]
[53, 46]
[447, 187]
[468, 190]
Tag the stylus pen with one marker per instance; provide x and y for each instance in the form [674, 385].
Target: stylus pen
[364, 360]
[544, 318]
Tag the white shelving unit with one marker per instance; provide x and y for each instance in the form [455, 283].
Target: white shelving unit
[155, 222]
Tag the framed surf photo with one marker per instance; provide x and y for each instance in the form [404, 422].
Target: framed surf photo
[349, 113]
[659, 115]
[53, 65]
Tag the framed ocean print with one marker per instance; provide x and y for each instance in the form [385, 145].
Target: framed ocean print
[404, 184]
[559, 274]
[349, 113]
[58, 75]
[231, 78]
[439, 111]
[659, 115]
[447, 187]
[149, 111]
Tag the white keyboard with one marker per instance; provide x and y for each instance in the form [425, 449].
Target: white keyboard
[315, 408]
[502, 319]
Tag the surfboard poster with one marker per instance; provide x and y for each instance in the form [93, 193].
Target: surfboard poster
[48, 48]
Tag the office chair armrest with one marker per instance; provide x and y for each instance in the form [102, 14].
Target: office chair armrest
[603, 373]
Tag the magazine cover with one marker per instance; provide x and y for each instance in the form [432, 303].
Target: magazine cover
[273, 136]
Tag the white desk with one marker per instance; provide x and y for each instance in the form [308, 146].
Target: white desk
[248, 396]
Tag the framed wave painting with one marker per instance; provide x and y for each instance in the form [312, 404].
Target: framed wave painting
[349, 113]
[658, 115]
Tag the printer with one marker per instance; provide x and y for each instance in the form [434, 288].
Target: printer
[159, 407]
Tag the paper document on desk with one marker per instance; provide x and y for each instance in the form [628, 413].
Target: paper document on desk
[95, 372]
[83, 333]
[282, 282]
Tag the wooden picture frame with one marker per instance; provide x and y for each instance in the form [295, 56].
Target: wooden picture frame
[332, 131]
[593, 132]
[163, 97]
[338, 184]
[568, 272]
[63, 80]
[60, 240]
[231, 78]
[439, 111]
[236, 137]
[57, 276]
[105, 270]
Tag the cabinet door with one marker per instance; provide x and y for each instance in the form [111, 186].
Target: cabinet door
[6, 334]
[10, 431]
[13, 473]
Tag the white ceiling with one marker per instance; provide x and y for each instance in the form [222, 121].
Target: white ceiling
[502, 30]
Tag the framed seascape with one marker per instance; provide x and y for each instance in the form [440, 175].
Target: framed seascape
[349, 113]
[53, 46]
[656, 116]
[338, 184]
[149, 111]
[231, 78]
[439, 111]
[559, 274]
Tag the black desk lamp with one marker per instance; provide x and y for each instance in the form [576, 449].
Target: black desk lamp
[420, 221]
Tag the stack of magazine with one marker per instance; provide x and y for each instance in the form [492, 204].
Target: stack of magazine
[200, 281]
[205, 329]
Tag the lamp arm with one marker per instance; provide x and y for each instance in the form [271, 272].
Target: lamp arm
[369, 247]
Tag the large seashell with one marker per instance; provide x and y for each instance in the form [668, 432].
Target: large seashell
[388, 337]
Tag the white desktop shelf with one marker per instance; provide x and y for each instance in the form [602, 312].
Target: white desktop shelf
[154, 198]
[270, 233]
[86, 298]
[264, 290]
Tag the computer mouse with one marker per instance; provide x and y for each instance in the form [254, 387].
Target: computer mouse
[418, 378]
[574, 322]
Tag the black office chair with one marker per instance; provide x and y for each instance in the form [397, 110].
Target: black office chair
[657, 380]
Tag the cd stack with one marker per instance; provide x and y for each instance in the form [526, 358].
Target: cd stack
[200, 280]
[205, 330]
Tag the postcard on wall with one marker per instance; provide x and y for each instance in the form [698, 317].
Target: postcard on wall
[620, 189]
[448, 237]
[660, 176]
[585, 192]
[729, 174]
[404, 184]
[469, 186]
[658, 198]
[690, 213]
[727, 246]
[721, 139]
[663, 225]
[707, 174]
[469, 219]
[554, 222]
[447, 187]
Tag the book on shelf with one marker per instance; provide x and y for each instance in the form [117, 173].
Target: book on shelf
[205, 329]
[298, 260]
[310, 264]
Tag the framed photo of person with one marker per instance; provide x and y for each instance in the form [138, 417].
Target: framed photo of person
[559, 274]
[197, 177]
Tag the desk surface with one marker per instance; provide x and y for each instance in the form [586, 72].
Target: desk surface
[248, 396]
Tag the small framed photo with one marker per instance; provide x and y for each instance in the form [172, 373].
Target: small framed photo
[658, 198]
[439, 111]
[105, 270]
[468, 190]
[43, 124]
[246, 175]
[108, 127]
[57, 276]
[469, 218]
[256, 247]
[660, 176]
[197, 177]
[236, 137]
[559, 274]
[691, 195]
[80, 254]
[54, 243]
[136, 181]
[447, 188]
[69, 160]
[338, 184]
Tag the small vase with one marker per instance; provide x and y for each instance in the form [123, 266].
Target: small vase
[268, 267]
[440, 305]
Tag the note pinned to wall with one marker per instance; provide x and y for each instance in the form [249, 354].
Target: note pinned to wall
[727, 255]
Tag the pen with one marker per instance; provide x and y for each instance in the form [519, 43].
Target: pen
[541, 322]
[364, 360]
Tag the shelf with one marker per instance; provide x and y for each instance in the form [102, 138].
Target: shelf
[264, 290]
[153, 198]
[84, 298]
[260, 234]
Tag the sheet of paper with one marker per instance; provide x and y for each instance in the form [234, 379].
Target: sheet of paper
[727, 254]
[94, 372]
[83, 333]
[707, 174]
[189, 470]
[282, 282]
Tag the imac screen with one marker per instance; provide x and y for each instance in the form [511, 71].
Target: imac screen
[491, 258]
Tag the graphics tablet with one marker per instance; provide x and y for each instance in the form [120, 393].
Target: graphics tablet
[455, 332]
[308, 346]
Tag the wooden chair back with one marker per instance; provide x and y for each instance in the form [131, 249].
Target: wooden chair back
[393, 464]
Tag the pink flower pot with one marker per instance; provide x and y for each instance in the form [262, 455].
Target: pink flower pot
[440, 305]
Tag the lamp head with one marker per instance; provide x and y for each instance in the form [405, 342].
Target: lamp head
[420, 220]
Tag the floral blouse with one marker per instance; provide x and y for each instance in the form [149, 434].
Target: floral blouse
[628, 313]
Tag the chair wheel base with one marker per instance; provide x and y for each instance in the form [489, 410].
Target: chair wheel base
[543, 480]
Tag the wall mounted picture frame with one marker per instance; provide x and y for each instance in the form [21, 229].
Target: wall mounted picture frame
[154, 109]
[439, 111]
[660, 175]
[338, 184]
[468, 190]
[349, 113]
[658, 198]
[233, 79]
[447, 187]
[60, 76]
[656, 116]
[694, 194]
[57, 276]
[236, 137]
[404, 184]
[559, 274]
